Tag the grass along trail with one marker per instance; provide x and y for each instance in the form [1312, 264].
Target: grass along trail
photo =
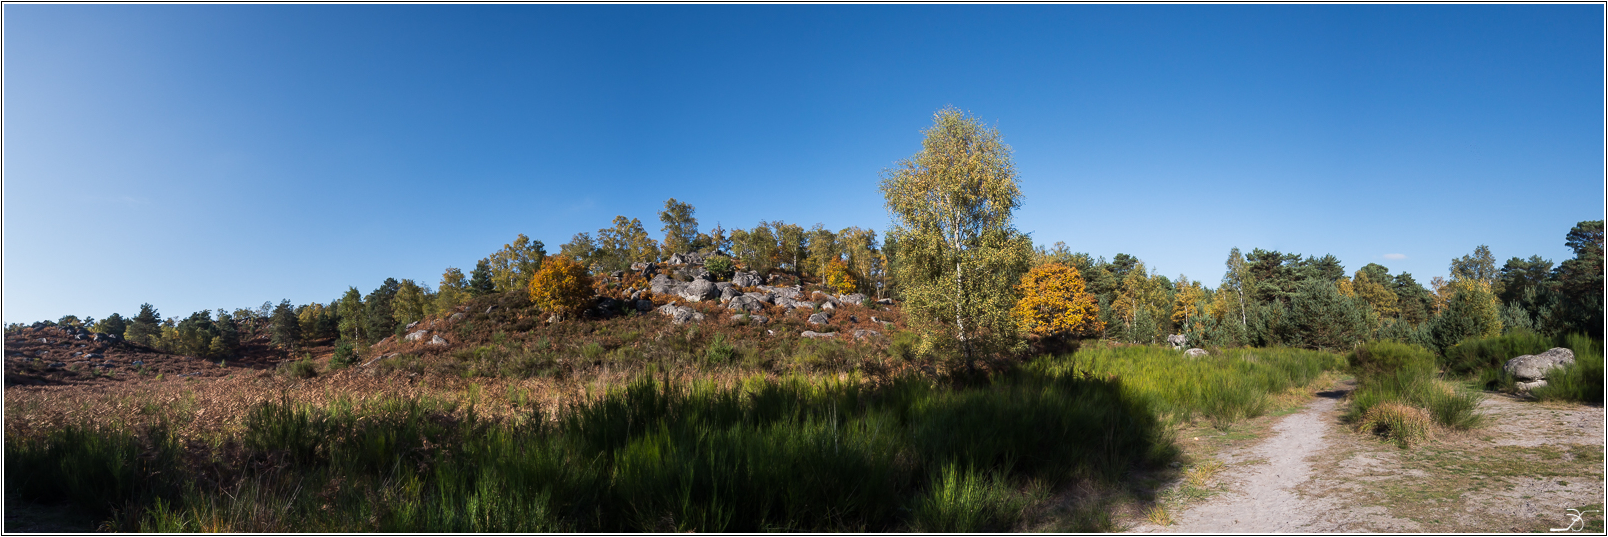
[1263, 497]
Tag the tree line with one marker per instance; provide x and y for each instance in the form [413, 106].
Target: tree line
[973, 283]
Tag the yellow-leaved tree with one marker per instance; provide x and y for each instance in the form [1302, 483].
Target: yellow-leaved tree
[836, 277]
[1054, 303]
[561, 287]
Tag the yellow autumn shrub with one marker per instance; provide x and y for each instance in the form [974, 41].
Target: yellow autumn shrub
[837, 277]
[1054, 302]
[562, 286]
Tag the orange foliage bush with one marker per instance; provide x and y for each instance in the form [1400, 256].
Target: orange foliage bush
[562, 286]
[1055, 303]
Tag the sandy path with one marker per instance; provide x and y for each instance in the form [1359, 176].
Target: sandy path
[1264, 497]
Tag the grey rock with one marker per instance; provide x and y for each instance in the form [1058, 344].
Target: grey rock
[639, 267]
[57, 365]
[1535, 366]
[1525, 387]
[746, 279]
[637, 294]
[644, 305]
[762, 297]
[819, 318]
[94, 355]
[854, 299]
[680, 314]
[608, 304]
[412, 324]
[750, 319]
[745, 303]
[489, 308]
[814, 335]
[677, 259]
[828, 306]
[437, 340]
[1177, 341]
[853, 319]
[726, 285]
[699, 290]
[1196, 353]
[789, 292]
[44, 340]
[729, 293]
[455, 317]
[415, 336]
[863, 334]
[886, 302]
[663, 285]
[78, 336]
[617, 274]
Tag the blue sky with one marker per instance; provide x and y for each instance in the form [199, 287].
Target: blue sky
[219, 156]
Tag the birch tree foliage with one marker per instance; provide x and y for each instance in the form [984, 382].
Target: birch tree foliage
[959, 256]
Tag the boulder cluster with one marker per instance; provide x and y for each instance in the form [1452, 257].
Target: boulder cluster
[1531, 369]
[745, 294]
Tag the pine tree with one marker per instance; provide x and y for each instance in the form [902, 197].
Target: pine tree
[146, 327]
[480, 279]
[285, 327]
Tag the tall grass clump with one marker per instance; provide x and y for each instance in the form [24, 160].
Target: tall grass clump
[1224, 388]
[1581, 382]
[1398, 394]
[106, 472]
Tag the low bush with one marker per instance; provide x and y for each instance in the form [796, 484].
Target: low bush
[1404, 424]
[345, 355]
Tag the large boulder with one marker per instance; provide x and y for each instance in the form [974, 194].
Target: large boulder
[746, 279]
[789, 292]
[644, 306]
[852, 299]
[415, 336]
[1196, 353]
[729, 293]
[762, 297]
[680, 314]
[819, 318]
[677, 259]
[663, 285]
[745, 303]
[1532, 367]
[437, 341]
[699, 290]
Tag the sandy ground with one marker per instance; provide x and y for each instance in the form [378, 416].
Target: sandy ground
[1312, 475]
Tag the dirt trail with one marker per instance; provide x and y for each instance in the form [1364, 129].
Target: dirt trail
[1264, 497]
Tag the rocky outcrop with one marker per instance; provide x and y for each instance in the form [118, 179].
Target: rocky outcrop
[1177, 341]
[1531, 370]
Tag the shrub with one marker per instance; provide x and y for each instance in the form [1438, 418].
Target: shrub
[302, 369]
[720, 266]
[719, 351]
[345, 355]
[561, 287]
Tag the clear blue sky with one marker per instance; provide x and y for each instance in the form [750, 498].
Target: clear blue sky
[220, 156]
